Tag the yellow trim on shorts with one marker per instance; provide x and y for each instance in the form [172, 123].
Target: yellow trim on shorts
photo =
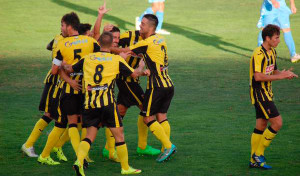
[136, 98]
[47, 100]
[149, 104]
[263, 110]
[116, 116]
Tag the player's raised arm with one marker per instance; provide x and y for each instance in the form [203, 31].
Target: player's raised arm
[101, 11]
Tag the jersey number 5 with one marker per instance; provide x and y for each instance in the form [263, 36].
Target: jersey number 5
[97, 75]
[76, 54]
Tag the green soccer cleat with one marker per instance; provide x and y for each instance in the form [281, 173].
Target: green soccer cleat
[48, 160]
[78, 168]
[105, 153]
[148, 151]
[59, 154]
[115, 157]
[167, 154]
[130, 171]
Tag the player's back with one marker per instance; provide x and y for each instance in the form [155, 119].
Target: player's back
[100, 70]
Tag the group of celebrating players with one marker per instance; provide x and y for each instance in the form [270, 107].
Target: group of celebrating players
[79, 91]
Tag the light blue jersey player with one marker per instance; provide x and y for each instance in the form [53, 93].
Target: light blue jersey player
[156, 8]
[278, 13]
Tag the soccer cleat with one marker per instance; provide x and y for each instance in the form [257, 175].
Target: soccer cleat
[130, 171]
[48, 160]
[105, 154]
[148, 151]
[78, 168]
[166, 154]
[59, 154]
[137, 23]
[163, 32]
[85, 164]
[261, 161]
[253, 165]
[88, 159]
[295, 58]
[29, 151]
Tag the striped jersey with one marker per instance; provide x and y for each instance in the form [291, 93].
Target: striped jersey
[154, 51]
[262, 62]
[71, 50]
[100, 71]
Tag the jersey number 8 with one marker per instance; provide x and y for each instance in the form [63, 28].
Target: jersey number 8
[97, 75]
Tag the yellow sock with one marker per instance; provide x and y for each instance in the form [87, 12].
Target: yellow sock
[83, 150]
[160, 134]
[267, 137]
[40, 125]
[63, 139]
[123, 155]
[166, 126]
[74, 136]
[52, 140]
[110, 142]
[83, 133]
[142, 132]
[255, 140]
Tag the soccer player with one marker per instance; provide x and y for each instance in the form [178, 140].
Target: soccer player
[45, 103]
[100, 70]
[157, 8]
[69, 50]
[263, 70]
[130, 94]
[277, 12]
[160, 88]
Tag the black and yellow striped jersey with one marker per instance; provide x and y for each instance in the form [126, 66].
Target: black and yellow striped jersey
[52, 79]
[100, 71]
[127, 39]
[154, 51]
[71, 50]
[264, 62]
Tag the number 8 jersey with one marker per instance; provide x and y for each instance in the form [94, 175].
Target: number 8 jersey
[71, 50]
[100, 70]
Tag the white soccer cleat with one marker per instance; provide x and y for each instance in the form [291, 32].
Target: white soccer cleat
[163, 32]
[29, 151]
[295, 58]
[137, 23]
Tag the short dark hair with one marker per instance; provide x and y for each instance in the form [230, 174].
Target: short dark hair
[84, 27]
[115, 29]
[106, 39]
[152, 18]
[71, 19]
[270, 30]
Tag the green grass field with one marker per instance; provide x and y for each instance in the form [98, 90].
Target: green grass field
[211, 116]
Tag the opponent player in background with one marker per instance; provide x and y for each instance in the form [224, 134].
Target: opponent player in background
[157, 8]
[277, 12]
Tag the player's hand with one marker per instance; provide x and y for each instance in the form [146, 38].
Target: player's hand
[146, 72]
[125, 55]
[141, 63]
[287, 74]
[276, 4]
[103, 10]
[75, 85]
[108, 27]
[293, 9]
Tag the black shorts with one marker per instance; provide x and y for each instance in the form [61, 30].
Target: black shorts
[130, 93]
[71, 104]
[55, 110]
[108, 116]
[265, 110]
[46, 98]
[157, 100]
